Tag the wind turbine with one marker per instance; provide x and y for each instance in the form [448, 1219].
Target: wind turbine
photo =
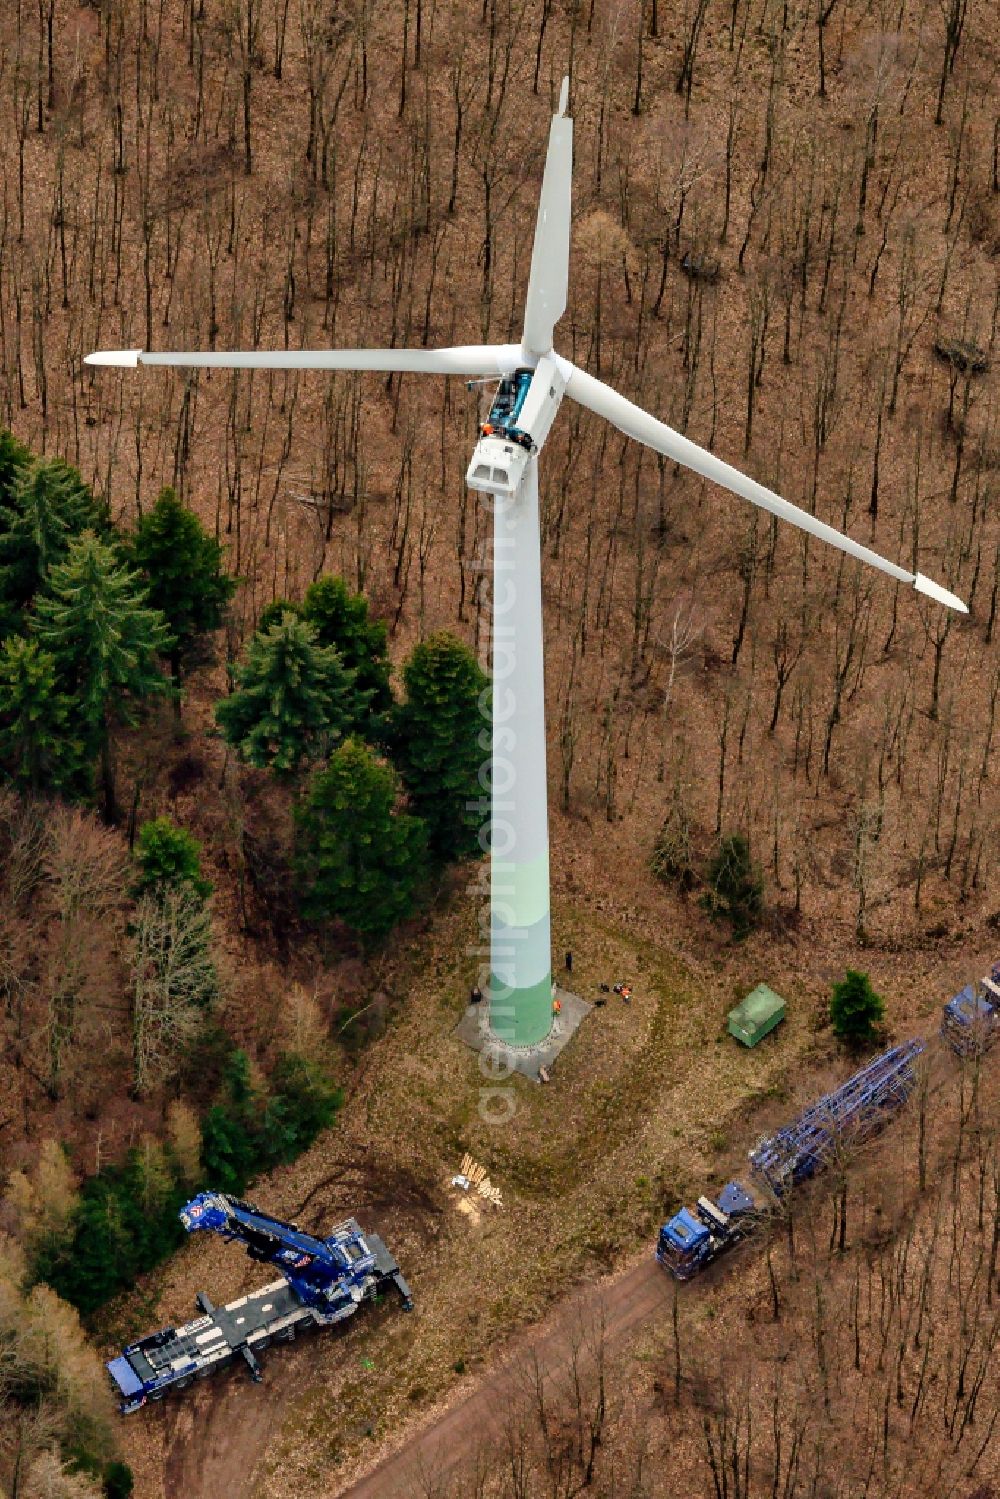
[533, 379]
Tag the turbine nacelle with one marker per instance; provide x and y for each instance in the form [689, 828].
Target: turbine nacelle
[520, 419]
[497, 467]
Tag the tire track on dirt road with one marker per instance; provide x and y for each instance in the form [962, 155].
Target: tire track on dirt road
[452, 1435]
[215, 1438]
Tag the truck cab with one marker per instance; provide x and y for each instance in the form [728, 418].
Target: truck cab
[692, 1239]
[971, 1020]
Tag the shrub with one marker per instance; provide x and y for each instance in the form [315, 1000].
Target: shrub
[856, 1010]
[118, 1480]
[169, 855]
[735, 885]
[115, 1478]
[184, 1137]
[673, 856]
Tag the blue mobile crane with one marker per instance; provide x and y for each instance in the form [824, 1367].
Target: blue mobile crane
[323, 1282]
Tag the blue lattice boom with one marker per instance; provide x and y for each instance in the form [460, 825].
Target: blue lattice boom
[840, 1120]
[693, 1237]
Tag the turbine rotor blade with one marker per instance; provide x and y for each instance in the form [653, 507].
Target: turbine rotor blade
[940, 595]
[548, 281]
[473, 359]
[124, 359]
[647, 429]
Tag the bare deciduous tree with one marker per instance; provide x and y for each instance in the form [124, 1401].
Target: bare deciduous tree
[174, 981]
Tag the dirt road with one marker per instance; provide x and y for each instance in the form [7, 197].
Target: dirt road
[451, 1435]
[214, 1439]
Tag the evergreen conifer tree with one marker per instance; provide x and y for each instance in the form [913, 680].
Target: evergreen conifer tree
[735, 886]
[340, 619]
[186, 581]
[304, 1102]
[359, 859]
[856, 1010]
[293, 701]
[272, 612]
[14, 456]
[229, 1149]
[94, 619]
[437, 745]
[49, 505]
[40, 746]
[169, 856]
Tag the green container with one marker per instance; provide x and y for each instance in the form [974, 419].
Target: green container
[759, 1013]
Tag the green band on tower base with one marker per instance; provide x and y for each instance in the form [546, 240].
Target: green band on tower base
[521, 1017]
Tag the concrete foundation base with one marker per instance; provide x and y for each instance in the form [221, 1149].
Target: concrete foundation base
[474, 1030]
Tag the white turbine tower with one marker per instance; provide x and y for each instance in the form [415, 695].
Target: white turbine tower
[533, 379]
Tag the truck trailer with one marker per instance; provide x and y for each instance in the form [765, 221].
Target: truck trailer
[693, 1238]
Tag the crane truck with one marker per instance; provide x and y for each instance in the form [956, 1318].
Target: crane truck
[323, 1281]
[857, 1109]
